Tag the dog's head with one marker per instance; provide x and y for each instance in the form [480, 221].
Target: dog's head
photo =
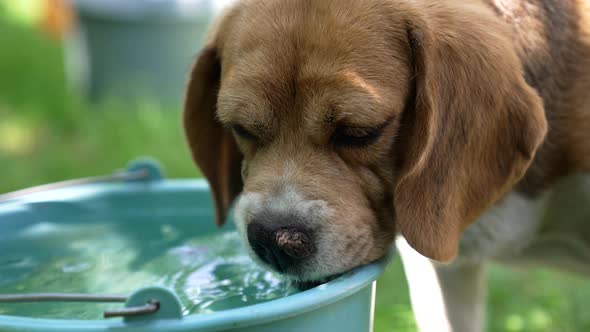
[343, 123]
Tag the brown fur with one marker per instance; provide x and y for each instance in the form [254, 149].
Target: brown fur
[459, 85]
[553, 40]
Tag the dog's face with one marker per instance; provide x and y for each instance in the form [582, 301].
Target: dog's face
[344, 122]
[315, 120]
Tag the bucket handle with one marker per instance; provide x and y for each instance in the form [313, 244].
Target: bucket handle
[149, 303]
[143, 169]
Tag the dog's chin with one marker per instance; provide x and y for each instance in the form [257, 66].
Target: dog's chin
[304, 285]
[294, 275]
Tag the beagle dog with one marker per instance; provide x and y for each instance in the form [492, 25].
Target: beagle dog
[461, 126]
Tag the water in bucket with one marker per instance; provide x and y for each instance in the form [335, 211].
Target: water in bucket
[208, 273]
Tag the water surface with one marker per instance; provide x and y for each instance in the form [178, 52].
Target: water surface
[208, 273]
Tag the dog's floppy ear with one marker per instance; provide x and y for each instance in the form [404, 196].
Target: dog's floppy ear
[473, 131]
[212, 146]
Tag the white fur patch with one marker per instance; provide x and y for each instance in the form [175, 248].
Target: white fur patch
[563, 237]
[505, 229]
[552, 229]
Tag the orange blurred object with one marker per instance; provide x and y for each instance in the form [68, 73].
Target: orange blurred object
[57, 18]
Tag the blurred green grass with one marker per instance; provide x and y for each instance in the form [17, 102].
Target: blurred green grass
[48, 134]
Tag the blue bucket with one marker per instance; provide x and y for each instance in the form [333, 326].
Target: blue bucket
[343, 304]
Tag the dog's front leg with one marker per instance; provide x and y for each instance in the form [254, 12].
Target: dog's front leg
[445, 298]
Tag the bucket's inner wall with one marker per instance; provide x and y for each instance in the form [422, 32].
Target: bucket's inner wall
[121, 242]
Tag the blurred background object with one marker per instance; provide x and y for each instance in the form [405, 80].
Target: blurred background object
[57, 18]
[49, 133]
[131, 48]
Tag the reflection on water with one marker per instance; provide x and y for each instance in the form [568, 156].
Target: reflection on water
[209, 273]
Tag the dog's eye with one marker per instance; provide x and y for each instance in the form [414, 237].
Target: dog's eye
[243, 133]
[356, 136]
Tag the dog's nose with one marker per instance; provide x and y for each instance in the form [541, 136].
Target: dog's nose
[280, 247]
